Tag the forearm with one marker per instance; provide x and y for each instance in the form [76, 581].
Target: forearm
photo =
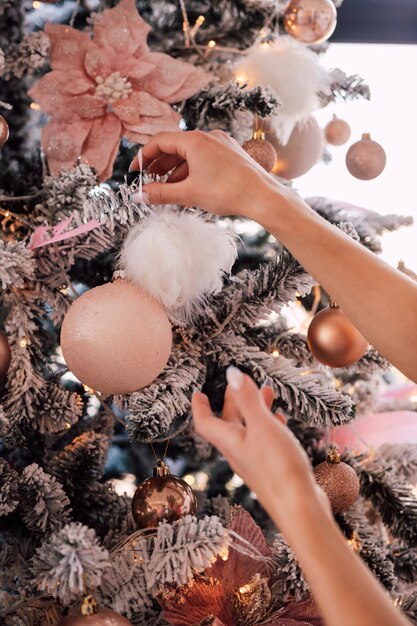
[344, 589]
[379, 300]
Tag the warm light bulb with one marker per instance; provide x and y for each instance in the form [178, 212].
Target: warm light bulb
[241, 79]
[34, 105]
[211, 43]
[88, 389]
[23, 342]
[275, 353]
[36, 4]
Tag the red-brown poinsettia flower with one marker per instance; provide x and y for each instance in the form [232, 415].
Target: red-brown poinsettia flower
[107, 87]
[235, 592]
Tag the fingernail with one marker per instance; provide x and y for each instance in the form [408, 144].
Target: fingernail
[267, 383]
[132, 167]
[234, 377]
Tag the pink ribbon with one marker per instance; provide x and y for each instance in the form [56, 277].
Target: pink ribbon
[45, 235]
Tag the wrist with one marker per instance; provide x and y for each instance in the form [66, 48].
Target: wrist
[271, 204]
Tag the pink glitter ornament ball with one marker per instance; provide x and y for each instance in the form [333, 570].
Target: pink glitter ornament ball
[116, 338]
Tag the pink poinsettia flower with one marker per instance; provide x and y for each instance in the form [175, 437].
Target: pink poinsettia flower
[107, 87]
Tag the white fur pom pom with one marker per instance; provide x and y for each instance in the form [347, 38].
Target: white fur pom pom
[178, 258]
[294, 73]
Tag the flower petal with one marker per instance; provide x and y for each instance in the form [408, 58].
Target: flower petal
[68, 47]
[173, 80]
[63, 95]
[122, 29]
[137, 105]
[62, 143]
[97, 61]
[102, 145]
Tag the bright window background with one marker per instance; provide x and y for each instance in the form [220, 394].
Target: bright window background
[391, 118]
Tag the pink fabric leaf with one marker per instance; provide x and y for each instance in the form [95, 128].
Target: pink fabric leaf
[68, 47]
[151, 125]
[62, 143]
[97, 61]
[122, 29]
[173, 80]
[101, 146]
[44, 235]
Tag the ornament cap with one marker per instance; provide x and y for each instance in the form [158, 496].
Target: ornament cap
[333, 456]
[89, 606]
[333, 304]
[161, 469]
[366, 136]
[259, 134]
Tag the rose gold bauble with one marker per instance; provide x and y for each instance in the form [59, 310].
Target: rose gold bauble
[339, 482]
[162, 497]
[337, 132]
[5, 355]
[261, 150]
[310, 21]
[116, 338]
[4, 131]
[103, 617]
[366, 158]
[303, 150]
[334, 340]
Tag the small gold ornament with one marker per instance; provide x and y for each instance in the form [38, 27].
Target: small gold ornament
[366, 158]
[310, 21]
[162, 497]
[261, 150]
[334, 340]
[338, 480]
[93, 615]
[337, 132]
[251, 601]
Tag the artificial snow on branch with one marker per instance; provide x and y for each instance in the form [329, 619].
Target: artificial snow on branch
[70, 563]
[44, 503]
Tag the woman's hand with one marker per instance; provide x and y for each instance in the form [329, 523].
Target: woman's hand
[208, 170]
[260, 448]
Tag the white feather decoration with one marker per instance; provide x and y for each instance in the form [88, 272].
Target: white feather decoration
[179, 258]
[294, 73]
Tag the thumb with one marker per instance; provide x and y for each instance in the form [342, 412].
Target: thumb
[164, 193]
[247, 396]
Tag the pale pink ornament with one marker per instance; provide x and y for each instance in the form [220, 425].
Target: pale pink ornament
[337, 131]
[366, 158]
[108, 87]
[116, 338]
[303, 150]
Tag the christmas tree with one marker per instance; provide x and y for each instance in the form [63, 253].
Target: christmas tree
[83, 84]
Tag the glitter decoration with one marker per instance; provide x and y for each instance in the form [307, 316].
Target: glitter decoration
[108, 87]
[366, 158]
[339, 482]
[116, 338]
[251, 601]
[261, 150]
[103, 617]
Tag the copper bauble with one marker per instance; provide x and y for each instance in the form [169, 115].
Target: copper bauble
[366, 158]
[334, 340]
[4, 131]
[303, 150]
[162, 497]
[103, 617]
[310, 21]
[5, 355]
[116, 338]
[337, 132]
[261, 150]
[339, 482]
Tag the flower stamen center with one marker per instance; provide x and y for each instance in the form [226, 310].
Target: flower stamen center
[113, 88]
